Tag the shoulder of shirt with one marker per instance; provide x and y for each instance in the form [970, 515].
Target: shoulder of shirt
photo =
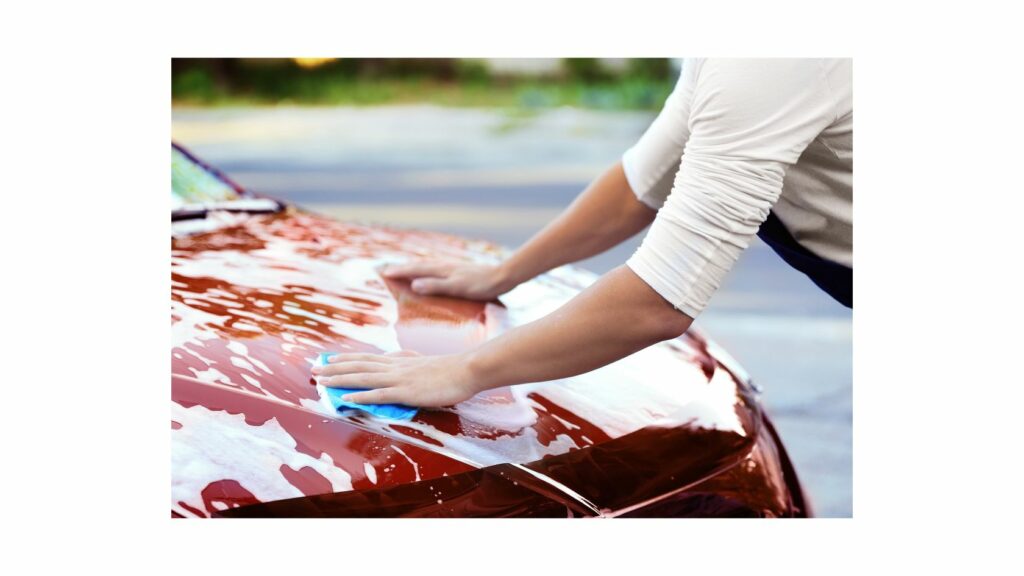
[784, 77]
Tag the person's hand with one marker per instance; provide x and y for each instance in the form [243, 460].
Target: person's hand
[399, 378]
[472, 281]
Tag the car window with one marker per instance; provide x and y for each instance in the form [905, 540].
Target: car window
[191, 183]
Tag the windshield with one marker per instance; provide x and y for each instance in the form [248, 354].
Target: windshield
[191, 183]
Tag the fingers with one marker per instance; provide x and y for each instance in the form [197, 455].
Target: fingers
[428, 286]
[362, 380]
[350, 368]
[379, 396]
[357, 357]
[417, 269]
[361, 362]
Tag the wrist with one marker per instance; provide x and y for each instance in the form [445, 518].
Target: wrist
[505, 276]
[478, 370]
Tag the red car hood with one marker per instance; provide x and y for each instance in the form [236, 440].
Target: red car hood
[254, 302]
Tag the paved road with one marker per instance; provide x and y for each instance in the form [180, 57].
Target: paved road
[500, 177]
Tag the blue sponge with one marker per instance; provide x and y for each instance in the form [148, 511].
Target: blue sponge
[332, 397]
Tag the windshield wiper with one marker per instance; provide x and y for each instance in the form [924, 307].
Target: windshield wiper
[243, 205]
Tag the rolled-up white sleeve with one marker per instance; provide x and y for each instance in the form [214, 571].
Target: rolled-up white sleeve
[651, 164]
[747, 120]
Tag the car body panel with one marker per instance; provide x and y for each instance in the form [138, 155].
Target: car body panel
[256, 297]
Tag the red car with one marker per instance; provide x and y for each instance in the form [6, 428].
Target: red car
[259, 288]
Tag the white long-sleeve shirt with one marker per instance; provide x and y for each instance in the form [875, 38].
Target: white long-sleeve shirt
[735, 140]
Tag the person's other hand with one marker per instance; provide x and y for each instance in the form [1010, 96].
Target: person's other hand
[472, 281]
[399, 378]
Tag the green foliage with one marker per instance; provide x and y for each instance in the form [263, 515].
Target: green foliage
[586, 70]
[655, 69]
[194, 84]
[448, 82]
[472, 70]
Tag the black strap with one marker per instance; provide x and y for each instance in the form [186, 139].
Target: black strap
[833, 278]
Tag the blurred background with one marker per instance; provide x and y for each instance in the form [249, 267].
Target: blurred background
[494, 149]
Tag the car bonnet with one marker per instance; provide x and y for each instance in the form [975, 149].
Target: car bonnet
[255, 301]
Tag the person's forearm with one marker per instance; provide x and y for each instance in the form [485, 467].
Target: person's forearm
[605, 214]
[617, 316]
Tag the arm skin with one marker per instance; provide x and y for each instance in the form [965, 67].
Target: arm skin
[616, 316]
[603, 215]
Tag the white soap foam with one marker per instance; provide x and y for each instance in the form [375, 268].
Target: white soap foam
[250, 269]
[371, 473]
[213, 445]
[415, 466]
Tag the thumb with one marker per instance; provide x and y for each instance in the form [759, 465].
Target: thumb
[430, 286]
